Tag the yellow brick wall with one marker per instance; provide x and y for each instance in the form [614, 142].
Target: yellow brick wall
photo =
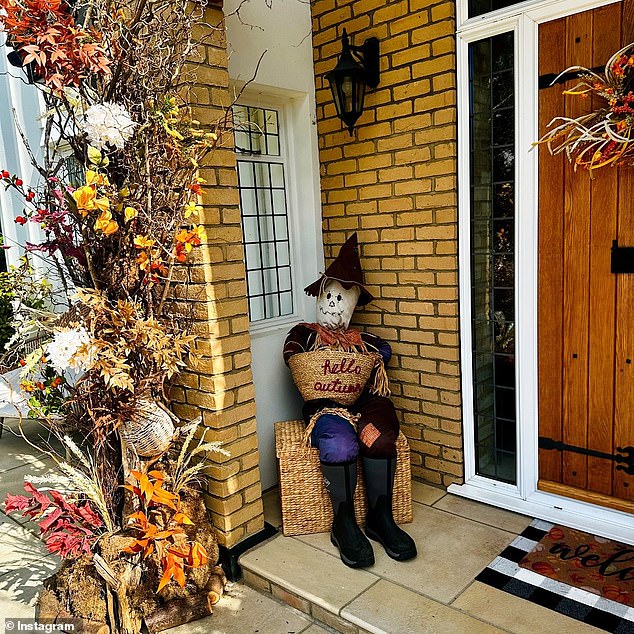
[395, 183]
[217, 383]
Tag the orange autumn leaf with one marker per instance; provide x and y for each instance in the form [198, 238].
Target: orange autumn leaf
[166, 537]
[179, 575]
[181, 518]
[197, 555]
[139, 518]
[143, 260]
[161, 496]
[166, 578]
[64, 52]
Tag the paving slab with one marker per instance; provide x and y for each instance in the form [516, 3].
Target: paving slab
[387, 608]
[245, 611]
[514, 614]
[15, 452]
[21, 551]
[316, 629]
[317, 576]
[24, 565]
[12, 607]
[484, 513]
[451, 551]
[426, 494]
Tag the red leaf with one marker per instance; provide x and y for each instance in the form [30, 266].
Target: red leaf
[47, 523]
[40, 498]
[89, 516]
[16, 503]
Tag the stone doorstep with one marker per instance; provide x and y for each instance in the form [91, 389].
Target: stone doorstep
[453, 518]
[319, 614]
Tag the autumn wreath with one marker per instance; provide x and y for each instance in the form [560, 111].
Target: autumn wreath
[604, 136]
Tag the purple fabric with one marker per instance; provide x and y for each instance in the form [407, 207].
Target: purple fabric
[335, 438]
[385, 350]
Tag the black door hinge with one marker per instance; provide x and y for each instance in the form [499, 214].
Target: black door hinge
[624, 456]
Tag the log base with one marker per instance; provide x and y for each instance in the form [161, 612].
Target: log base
[49, 610]
[181, 611]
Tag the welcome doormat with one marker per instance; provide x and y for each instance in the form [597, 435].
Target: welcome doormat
[595, 564]
[580, 603]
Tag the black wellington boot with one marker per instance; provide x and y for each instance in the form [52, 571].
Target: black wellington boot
[380, 525]
[354, 548]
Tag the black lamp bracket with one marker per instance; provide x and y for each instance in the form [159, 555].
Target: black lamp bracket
[368, 54]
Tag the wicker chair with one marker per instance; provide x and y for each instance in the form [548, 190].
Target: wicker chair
[306, 506]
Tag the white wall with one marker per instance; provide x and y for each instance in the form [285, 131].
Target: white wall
[285, 75]
[283, 30]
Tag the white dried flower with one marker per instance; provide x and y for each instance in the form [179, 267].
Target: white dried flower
[66, 350]
[108, 124]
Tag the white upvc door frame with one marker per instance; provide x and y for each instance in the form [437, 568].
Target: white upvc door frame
[523, 20]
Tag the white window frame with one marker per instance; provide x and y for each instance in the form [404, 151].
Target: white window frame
[286, 149]
[523, 20]
[18, 104]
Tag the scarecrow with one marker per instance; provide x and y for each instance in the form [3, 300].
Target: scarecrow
[368, 426]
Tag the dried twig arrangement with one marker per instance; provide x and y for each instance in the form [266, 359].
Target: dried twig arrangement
[602, 137]
[118, 203]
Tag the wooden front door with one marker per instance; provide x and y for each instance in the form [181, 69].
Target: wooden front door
[585, 312]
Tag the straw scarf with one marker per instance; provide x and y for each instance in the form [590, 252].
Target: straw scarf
[347, 340]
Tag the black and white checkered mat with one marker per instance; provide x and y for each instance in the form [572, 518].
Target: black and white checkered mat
[505, 574]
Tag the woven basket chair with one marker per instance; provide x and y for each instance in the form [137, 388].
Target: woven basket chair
[306, 506]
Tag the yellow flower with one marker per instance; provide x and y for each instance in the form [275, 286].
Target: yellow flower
[143, 242]
[95, 178]
[192, 209]
[102, 204]
[130, 213]
[94, 155]
[106, 224]
[199, 231]
[85, 199]
[124, 192]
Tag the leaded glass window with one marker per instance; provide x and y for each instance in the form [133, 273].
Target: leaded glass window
[492, 145]
[479, 7]
[264, 209]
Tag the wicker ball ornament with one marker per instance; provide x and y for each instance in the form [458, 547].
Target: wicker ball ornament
[150, 429]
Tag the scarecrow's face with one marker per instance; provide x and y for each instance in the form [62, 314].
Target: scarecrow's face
[336, 304]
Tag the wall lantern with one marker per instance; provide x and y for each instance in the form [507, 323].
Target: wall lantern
[358, 67]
